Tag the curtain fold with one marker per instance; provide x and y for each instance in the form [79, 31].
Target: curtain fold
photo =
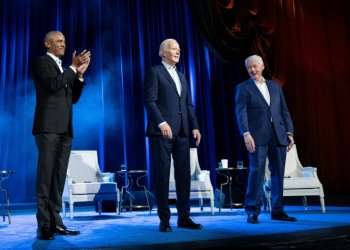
[305, 45]
[124, 39]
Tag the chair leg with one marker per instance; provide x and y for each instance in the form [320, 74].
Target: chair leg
[146, 195]
[305, 202]
[323, 207]
[71, 211]
[99, 206]
[3, 206]
[269, 204]
[212, 205]
[8, 207]
[64, 208]
[201, 203]
[121, 200]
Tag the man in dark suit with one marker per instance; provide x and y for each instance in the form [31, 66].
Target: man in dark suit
[171, 120]
[56, 90]
[265, 123]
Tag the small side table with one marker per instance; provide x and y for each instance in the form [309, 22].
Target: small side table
[5, 174]
[129, 176]
[227, 173]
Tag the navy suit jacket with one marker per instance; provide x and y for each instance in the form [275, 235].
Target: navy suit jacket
[254, 114]
[163, 102]
[55, 94]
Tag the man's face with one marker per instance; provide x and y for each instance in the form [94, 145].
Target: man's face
[56, 44]
[255, 69]
[171, 53]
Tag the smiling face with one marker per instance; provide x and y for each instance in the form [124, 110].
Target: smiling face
[171, 53]
[255, 69]
[55, 43]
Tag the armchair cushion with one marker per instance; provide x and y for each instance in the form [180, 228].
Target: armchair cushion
[94, 188]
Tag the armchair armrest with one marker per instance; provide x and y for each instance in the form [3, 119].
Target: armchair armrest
[204, 175]
[69, 181]
[309, 172]
[107, 177]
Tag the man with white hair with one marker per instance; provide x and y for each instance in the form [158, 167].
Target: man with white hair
[171, 121]
[266, 125]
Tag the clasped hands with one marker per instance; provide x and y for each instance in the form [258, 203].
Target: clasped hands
[81, 61]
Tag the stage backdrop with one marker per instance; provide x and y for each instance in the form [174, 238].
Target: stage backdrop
[304, 43]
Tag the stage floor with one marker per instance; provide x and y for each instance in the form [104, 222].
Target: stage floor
[224, 230]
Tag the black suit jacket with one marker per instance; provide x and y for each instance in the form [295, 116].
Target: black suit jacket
[55, 94]
[163, 102]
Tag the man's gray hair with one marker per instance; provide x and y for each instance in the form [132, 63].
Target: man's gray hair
[164, 44]
[49, 34]
[254, 58]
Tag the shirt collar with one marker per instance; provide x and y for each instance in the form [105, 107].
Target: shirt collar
[256, 82]
[53, 57]
[168, 66]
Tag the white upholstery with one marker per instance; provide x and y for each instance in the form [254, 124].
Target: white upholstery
[298, 180]
[201, 187]
[86, 182]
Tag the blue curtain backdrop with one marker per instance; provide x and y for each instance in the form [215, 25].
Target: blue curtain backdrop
[124, 38]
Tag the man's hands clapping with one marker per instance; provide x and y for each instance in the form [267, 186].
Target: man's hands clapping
[81, 61]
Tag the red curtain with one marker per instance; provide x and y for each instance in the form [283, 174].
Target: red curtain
[305, 44]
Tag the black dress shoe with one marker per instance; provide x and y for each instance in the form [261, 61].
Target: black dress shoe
[252, 219]
[44, 233]
[164, 227]
[188, 223]
[63, 230]
[283, 216]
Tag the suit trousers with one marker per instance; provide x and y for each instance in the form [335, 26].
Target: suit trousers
[257, 162]
[54, 151]
[162, 149]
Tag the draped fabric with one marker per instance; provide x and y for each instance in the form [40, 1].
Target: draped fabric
[305, 46]
[124, 38]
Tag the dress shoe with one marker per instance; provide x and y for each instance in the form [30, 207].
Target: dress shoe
[188, 223]
[252, 219]
[44, 233]
[283, 216]
[63, 230]
[164, 227]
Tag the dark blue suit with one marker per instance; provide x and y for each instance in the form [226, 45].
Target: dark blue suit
[164, 104]
[268, 125]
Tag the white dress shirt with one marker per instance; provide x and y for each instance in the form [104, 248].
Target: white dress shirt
[57, 60]
[174, 75]
[263, 89]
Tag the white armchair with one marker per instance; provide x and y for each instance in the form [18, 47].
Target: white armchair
[85, 182]
[201, 187]
[298, 180]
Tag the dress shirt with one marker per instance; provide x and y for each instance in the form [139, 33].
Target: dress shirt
[263, 89]
[57, 60]
[174, 76]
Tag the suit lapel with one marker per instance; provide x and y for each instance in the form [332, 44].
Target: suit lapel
[52, 61]
[165, 72]
[272, 91]
[257, 91]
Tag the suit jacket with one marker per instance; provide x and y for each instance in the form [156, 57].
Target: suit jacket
[163, 102]
[55, 94]
[254, 114]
